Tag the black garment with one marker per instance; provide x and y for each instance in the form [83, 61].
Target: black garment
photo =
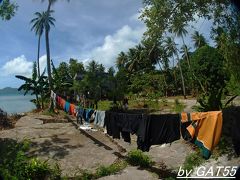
[150, 130]
[125, 124]
[164, 128]
[184, 132]
[231, 126]
[111, 124]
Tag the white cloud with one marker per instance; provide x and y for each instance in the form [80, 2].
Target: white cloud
[43, 63]
[18, 66]
[122, 40]
[21, 66]
[136, 16]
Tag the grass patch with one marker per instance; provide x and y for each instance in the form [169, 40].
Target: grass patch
[15, 164]
[104, 105]
[224, 147]
[153, 104]
[193, 160]
[48, 113]
[138, 158]
[112, 169]
[102, 171]
[178, 106]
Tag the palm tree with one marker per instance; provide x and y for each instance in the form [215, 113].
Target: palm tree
[179, 28]
[48, 21]
[172, 50]
[43, 22]
[121, 60]
[38, 28]
[92, 67]
[136, 58]
[198, 39]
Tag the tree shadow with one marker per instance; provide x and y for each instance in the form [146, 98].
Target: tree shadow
[57, 148]
[96, 141]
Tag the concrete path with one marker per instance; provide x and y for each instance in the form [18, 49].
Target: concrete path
[132, 173]
[64, 144]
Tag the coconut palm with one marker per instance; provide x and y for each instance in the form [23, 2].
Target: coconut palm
[198, 39]
[38, 27]
[48, 21]
[170, 46]
[121, 60]
[179, 29]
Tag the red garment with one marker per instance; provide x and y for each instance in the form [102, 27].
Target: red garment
[72, 109]
[62, 103]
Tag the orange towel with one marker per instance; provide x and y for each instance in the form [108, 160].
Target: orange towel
[206, 127]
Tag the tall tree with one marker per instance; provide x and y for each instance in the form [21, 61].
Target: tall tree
[172, 50]
[38, 27]
[198, 39]
[47, 22]
[7, 9]
[179, 29]
[121, 60]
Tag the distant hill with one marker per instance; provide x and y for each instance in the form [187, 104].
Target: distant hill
[9, 90]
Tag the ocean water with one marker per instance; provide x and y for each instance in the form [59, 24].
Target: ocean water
[16, 103]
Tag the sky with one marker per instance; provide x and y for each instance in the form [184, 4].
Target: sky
[84, 30]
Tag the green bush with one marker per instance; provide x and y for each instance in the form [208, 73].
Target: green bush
[138, 158]
[102, 171]
[15, 164]
[193, 160]
[112, 169]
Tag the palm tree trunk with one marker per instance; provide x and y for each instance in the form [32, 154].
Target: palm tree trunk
[164, 79]
[174, 72]
[37, 102]
[49, 68]
[49, 5]
[183, 84]
[48, 60]
[190, 68]
[38, 54]
[186, 53]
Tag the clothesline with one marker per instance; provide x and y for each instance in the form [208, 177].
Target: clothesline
[203, 128]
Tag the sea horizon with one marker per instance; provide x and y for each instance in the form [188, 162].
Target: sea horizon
[16, 103]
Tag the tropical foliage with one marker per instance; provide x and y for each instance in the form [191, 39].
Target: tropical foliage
[158, 66]
[7, 9]
[34, 85]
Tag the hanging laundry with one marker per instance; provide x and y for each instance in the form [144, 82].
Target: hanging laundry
[62, 103]
[79, 114]
[124, 124]
[72, 109]
[92, 118]
[99, 118]
[67, 107]
[53, 97]
[205, 129]
[161, 129]
[231, 126]
[88, 114]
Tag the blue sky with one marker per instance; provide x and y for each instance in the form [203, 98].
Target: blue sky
[84, 29]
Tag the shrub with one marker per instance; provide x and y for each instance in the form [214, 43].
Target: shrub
[15, 164]
[193, 160]
[138, 158]
[112, 169]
